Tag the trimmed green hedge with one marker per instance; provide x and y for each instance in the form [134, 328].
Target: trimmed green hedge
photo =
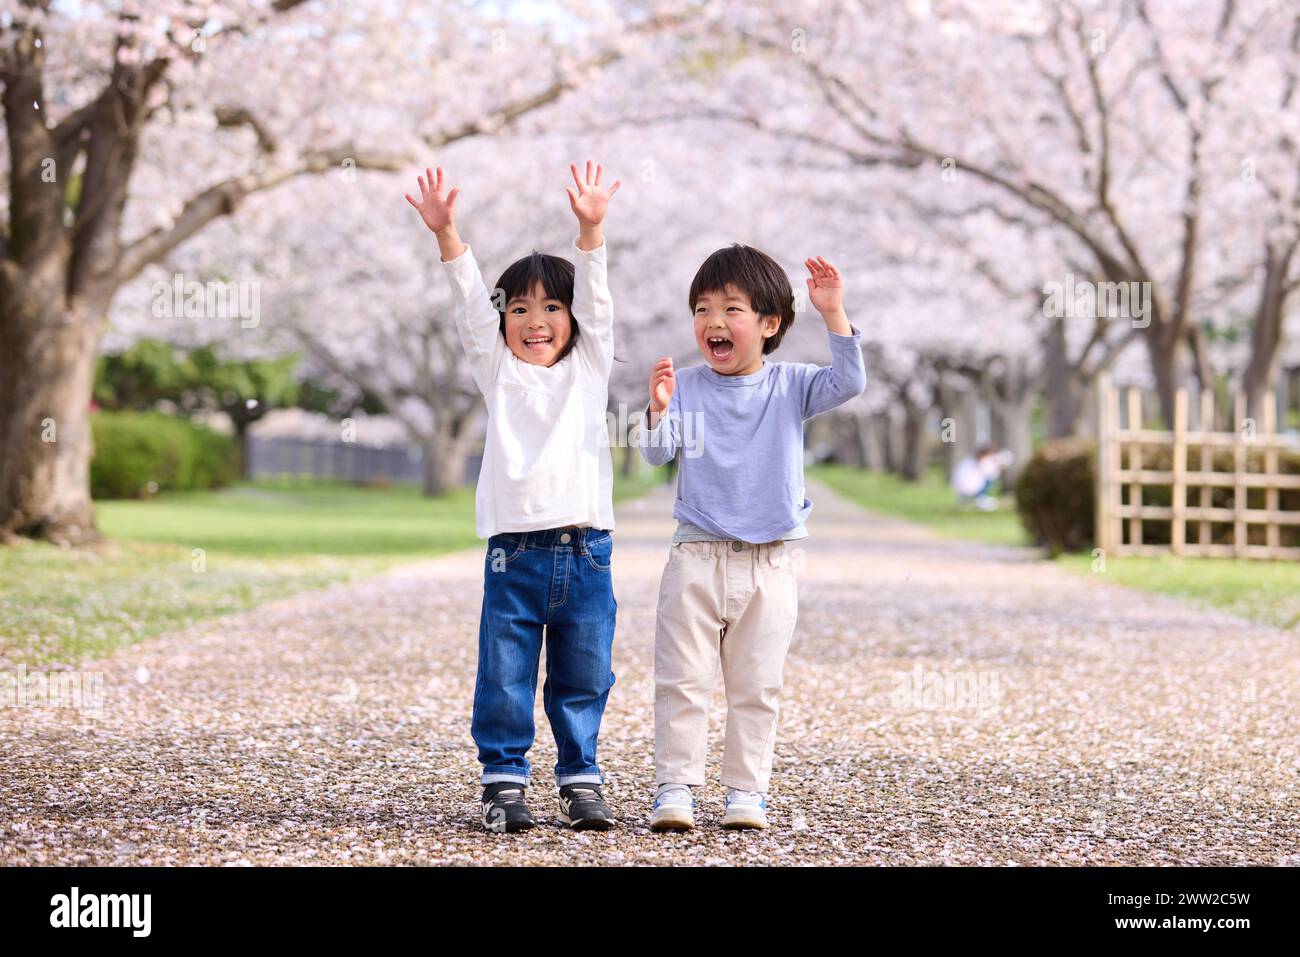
[133, 449]
[1056, 502]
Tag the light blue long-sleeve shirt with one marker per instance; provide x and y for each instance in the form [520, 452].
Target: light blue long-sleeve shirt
[740, 472]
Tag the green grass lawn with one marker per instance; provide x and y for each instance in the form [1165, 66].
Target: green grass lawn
[265, 520]
[1267, 592]
[929, 502]
[182, 557]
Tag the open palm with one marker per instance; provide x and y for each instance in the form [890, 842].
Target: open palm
[436, 207]
[825, 288]
[591, 199]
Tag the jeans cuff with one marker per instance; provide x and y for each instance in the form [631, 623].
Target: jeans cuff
[494, 777]
[586, 777]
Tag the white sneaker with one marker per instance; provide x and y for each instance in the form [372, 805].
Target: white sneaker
[746, 810]
[674, 809]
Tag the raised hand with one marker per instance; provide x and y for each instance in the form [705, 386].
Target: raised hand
[436, 208]
[591, 199]
[662, 384]
[825, 288]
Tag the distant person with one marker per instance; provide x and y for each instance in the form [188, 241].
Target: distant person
[540, 352]
[975, 475]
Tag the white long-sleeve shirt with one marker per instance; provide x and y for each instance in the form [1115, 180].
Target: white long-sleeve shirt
[546, 460]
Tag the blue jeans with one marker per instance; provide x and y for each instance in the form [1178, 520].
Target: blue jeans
[557, 579]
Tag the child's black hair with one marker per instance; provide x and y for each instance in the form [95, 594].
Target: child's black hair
[758, 276]
[555, 275]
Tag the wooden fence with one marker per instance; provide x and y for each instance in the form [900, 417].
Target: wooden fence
[1157, 488]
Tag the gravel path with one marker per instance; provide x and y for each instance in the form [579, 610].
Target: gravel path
[946, 703]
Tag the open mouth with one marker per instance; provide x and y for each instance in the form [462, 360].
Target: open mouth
[719, 348]
[537, 343]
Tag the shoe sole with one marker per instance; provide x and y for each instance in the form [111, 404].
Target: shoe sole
[507, 827]
[510, 828]
[672, 821]
[587, 823]
[744, 823]
[514, 828]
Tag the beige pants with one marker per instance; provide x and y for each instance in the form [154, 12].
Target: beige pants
[734, 605]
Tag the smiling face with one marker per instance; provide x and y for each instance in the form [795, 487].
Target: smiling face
[742, 304]
[729, 333]
[538, 327]
[534, 297]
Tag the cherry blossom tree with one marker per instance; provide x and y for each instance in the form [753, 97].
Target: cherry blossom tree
[131, 127]
[1144, 134]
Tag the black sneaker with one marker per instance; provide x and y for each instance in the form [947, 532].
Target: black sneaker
[504, 810]
[583, 808]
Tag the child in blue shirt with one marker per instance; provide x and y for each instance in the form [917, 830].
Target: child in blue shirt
[728, 596]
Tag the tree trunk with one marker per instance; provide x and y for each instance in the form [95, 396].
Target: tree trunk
[435, 468]
[245, 459]
[960, 404]
[1010, 430]
[445, 455]
[914, 449]
[889, 441]
[855, 440]
[1291, 378]
[845, 448]
[47, 370]
[1266, 335]
[1063, 391]
[1011, 393]
[867, 439]
[1170, 364]
[55, 290]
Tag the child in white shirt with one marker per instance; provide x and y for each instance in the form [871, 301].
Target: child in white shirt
[540, 349]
